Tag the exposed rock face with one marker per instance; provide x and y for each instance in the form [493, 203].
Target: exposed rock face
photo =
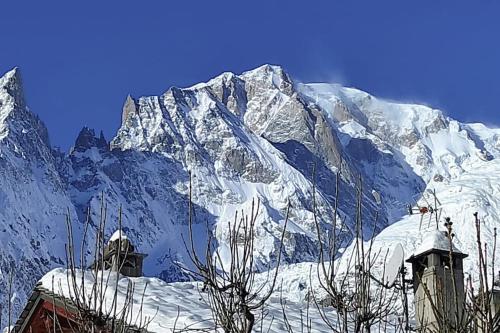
[258, 135]
[87, 139]
[129, 109]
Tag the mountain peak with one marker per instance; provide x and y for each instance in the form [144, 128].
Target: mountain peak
[15, 118]
[87, 139]
[268, 68]
[129, 107]
[14, 72]
[265, 70]
[12, 83]
[272, 74]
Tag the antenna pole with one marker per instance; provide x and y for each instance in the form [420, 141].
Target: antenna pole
[435, 209]
[405, 299]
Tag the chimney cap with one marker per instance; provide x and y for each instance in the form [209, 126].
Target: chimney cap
[118, 234]
[436, 241]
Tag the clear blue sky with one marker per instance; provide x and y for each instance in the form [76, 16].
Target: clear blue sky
[80, 61]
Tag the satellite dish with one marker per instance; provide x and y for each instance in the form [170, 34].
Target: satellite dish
[393, 265]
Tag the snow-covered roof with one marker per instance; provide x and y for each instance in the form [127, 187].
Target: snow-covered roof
[117, 235]
[435, 240]
[169, 305]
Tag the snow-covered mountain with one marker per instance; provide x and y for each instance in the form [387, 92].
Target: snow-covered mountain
[251, 136]
[33, 195]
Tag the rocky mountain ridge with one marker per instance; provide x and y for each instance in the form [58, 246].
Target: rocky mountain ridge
[258, 135]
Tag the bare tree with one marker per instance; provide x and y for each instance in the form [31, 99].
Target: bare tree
[232, 292]
[9, 295]
[482, 315]
[358, 300]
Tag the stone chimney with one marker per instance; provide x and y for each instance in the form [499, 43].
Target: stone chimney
[433, 283]
[120, 256]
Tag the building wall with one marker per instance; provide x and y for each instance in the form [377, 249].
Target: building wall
[435, 297]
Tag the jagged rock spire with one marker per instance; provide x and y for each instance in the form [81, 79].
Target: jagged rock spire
[87, 139]
[24, 128]
[13, 84]
[129, 108]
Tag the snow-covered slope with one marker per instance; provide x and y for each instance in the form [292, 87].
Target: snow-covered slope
[458, 161]
[257, 135]
[475, 190]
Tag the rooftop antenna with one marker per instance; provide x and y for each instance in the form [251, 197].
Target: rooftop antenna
[433, 209]
[436, 209]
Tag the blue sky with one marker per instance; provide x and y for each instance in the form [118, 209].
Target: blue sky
[79, 61]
